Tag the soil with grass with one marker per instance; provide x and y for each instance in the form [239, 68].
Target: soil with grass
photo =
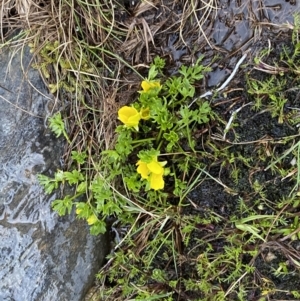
[242, 163]
[265, 134]
[245, 243]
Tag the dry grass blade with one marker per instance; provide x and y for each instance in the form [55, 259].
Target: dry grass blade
[198, 12]
[22, 7]
[145, 6]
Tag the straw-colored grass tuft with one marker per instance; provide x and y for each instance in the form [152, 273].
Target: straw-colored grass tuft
[96, 43]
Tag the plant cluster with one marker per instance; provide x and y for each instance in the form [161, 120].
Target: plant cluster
[273, 92]
[158, 125]
[167, 246]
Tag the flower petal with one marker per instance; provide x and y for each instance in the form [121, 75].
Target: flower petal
[145, 85]
[143, 169]
[133, 120]
[155, 167]
[78, 210]
[156, 182]
[148, 85]
[125, 112]
[129, 116]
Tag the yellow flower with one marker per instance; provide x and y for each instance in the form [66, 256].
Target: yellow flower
[142, 169]
[129, 116]
[92, 219]
[148, 85]
[145, 113]
[153, 172]
[156, 181]
[155, 167]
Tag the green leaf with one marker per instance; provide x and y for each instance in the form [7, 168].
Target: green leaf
[109, 207]
[48, 183]
[111, 155]
[186, 115]
[148, 155]
[173, 85]
[180, 187]
[186, 89]
[193, 73]
[57, 126]
[203, 113]
[152, 72]
[73, 177]
[98, 228]
[99, 186]
[163, 118]
[124, 142]
[159, 63]
[79, 157]
[82, 187]
[251, 229]
[44, 180]
[63, 206]
[133, 182]
[173, 138]
[59, 176]
[83, 210]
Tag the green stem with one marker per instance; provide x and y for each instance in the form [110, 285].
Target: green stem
[159, 138]
[142, 140]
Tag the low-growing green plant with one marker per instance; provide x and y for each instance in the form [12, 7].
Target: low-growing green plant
[57, 126]
[155, 148]
[272, 92]
[163, 250]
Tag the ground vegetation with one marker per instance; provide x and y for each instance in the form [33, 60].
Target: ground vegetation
[196, 180]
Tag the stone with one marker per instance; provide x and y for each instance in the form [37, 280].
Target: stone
[42, 256]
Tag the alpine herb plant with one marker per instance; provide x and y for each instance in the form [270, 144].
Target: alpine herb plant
[153, 157]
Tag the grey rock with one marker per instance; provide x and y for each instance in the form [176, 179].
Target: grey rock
[42, 256]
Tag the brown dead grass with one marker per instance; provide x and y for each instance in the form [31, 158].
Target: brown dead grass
[111, 37]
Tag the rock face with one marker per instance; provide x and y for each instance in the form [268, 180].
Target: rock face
[42, 256]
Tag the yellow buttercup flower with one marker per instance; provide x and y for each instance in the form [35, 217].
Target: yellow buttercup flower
[148, 85]
[80, 208]
[155, 167]
[130, 117]
[153, 172]
[143, 169]
[156, 181]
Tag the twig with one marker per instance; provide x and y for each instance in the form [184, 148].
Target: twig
[234, 113]
[234, 71]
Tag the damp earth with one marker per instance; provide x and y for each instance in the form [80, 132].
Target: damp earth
[239, 161]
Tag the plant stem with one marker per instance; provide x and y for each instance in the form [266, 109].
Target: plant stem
[159, 137]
